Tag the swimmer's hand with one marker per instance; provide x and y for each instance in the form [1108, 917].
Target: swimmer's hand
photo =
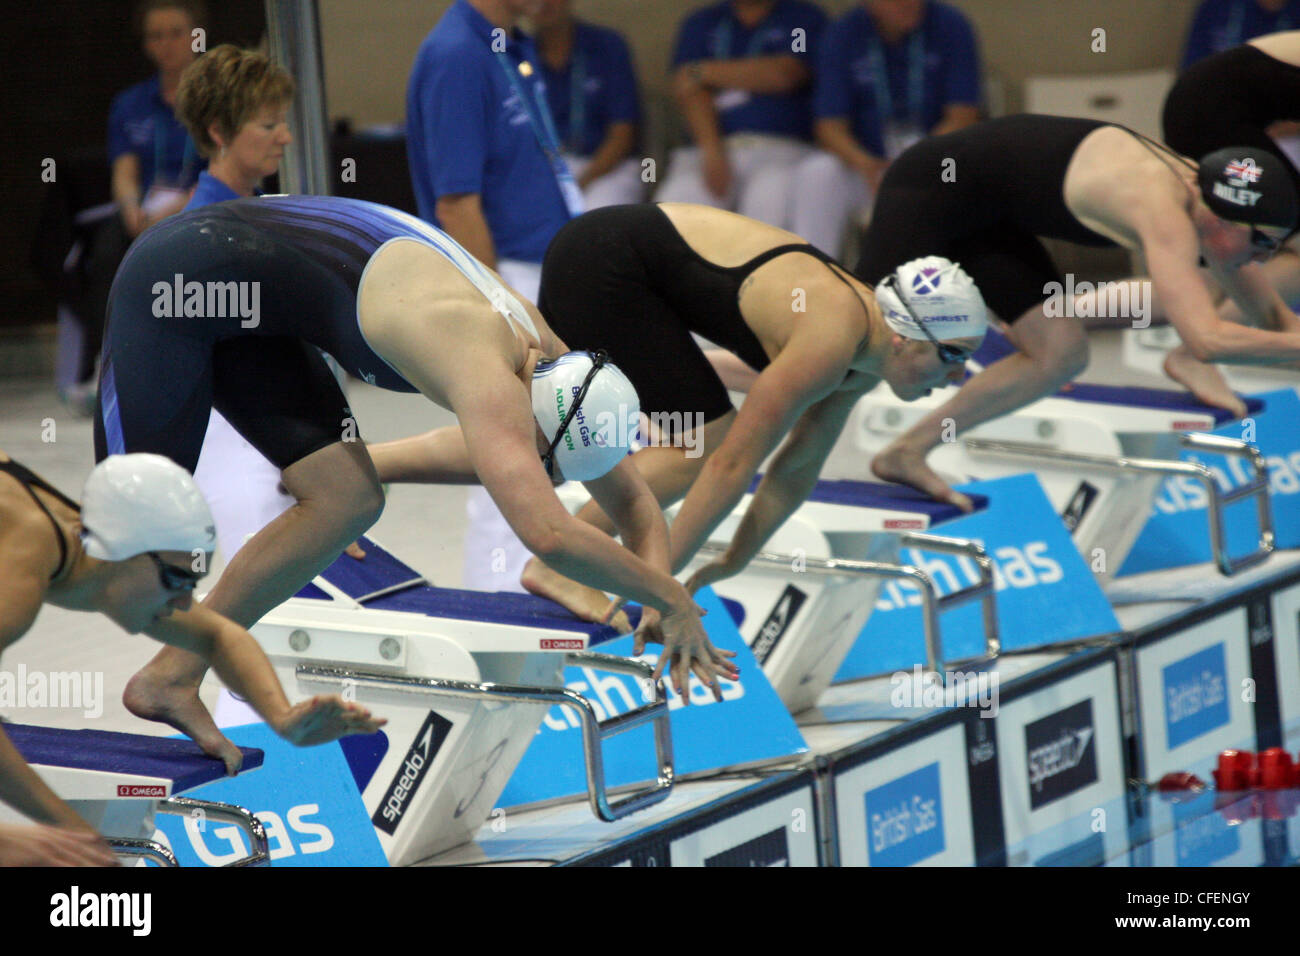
[39, 845]
[687, 645]
[322, 719]
[354, 550]
[902, 465]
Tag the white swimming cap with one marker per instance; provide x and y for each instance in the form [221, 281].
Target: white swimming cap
[137, 503]
[601, 431]
[940, 294]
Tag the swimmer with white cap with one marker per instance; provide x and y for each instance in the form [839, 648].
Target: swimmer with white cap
[133, 550]
[641, 280]
[402, 306]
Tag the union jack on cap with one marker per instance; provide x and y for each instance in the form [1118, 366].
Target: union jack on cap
[1244, 170]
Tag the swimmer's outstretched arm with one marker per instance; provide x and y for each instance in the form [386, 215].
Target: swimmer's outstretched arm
[495, 412]
[810, 368]
[240, 663]
[790, 478]
[1171, 251]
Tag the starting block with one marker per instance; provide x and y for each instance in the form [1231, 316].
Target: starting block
[464, 679]
[1144, 350]
[1101, 453]
[118, 782]
[826, 565]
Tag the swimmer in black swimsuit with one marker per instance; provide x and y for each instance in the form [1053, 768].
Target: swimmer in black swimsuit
[218, 307]
[1245, 95]
[641, 281]
[134, 555]
[985, 195]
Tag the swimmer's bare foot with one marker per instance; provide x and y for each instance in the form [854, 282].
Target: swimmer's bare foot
[587, 603]
[1203, 380]
[901, 464]
[154, 696]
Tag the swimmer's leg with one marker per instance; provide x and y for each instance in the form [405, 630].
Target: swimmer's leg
[338, 498]
[1053, 350]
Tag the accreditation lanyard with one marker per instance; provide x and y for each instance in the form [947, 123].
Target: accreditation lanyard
[724, 41]
[577, 99]
[160, 118]
[1233, 33]
[539, 117]
[915, 80]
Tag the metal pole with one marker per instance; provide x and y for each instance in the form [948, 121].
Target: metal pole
[294, 29]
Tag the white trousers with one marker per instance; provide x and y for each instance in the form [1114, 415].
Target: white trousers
[762, 183]
[830, 194]
[619, 186]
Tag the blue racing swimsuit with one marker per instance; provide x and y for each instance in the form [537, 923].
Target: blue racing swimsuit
[214, 308]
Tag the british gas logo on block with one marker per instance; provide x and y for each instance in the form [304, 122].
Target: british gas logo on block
[1195, 693]
[905, 819]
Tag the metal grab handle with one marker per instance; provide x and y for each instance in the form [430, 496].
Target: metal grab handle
[1257, 488]
[145, 849]
[931, 603]
[259, 855]
[594, 731]
[1218, 500]
[984, 590]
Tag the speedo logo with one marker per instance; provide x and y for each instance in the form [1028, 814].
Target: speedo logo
[419, 758]
[1059, 755]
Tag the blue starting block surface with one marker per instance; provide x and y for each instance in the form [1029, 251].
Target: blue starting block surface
[381, 581]
[1045, 592]
[996, 347]
[1176, 534]
[888, 497]
[136, 755]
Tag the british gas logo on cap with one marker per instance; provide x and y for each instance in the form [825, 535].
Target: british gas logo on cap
[926, 281]
[1242, 172]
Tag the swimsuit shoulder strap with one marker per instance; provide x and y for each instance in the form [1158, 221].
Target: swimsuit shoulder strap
[31, 481]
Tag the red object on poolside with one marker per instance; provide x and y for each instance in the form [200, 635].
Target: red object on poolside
[1275, 769]
[1236, 770]
[1180, 781]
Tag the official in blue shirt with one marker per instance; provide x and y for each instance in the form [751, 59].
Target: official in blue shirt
[1221, 24]
[486, 161]
[154, 161]
[592, 91]
[482, 146]
[743, 72]
[889, 72]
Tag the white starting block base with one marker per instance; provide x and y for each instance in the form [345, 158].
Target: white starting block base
[1018, 788]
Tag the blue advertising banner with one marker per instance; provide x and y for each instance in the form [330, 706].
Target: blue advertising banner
[1045, 592]
[306, 798]
[905, 819]
[1177, 532]
[751, 723]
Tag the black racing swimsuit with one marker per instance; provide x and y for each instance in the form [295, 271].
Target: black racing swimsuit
[31, 482]
[1230, 99]
[622, 278]
[982, 197]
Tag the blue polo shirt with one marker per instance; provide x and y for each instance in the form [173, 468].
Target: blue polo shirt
[1222, 24]
[605, 94]
[714, 33]
[209, 189]
[936, 65]
[141, 122]
[469, 132]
